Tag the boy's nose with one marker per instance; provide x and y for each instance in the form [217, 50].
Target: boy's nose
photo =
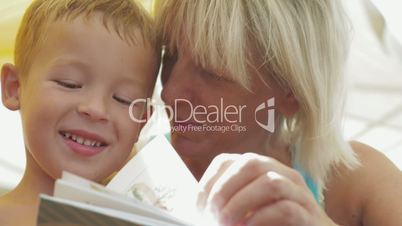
[94, 109]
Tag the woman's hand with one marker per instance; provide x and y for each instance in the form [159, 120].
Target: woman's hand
[251, 189]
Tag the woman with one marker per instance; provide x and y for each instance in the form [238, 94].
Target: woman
[289, 166]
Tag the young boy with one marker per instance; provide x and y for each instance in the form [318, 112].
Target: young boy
[78, 66]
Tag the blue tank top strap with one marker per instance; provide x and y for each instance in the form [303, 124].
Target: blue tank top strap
[309, 181]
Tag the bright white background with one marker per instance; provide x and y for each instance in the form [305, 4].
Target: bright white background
[374, 109]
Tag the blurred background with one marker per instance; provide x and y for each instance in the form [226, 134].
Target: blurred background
[374, 72]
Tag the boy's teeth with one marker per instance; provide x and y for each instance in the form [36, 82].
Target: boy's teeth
[82, 141]
[87, 142]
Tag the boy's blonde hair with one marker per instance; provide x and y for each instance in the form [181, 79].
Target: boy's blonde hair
[299, 44]
[125, 17]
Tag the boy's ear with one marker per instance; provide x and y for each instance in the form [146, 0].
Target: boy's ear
[10, 86]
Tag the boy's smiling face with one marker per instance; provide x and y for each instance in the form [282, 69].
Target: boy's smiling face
[75, 101]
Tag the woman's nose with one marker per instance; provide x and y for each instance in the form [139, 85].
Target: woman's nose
[177, 83]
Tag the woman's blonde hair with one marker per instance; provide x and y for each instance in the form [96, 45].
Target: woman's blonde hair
[300, 44]
[125, 17]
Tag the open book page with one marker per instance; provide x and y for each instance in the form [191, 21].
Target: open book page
[55, 211]
[154, 188]
[157, 176]
[74, 188]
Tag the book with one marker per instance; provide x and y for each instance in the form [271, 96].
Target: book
[155, 188]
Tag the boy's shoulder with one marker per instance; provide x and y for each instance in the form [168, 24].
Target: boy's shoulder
[13, 213]
[8, 213]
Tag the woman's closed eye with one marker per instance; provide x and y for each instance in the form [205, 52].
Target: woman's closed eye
[213, 76]
[68, 84]
[216, 77]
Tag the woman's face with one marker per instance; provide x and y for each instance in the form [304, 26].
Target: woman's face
[212, 114]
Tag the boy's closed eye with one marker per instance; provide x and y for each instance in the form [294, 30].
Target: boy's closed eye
[68, 84]
[73, 85]
[125, 101]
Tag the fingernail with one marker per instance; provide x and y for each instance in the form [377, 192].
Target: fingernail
[224, 221]
[218, 203]
[201, 201]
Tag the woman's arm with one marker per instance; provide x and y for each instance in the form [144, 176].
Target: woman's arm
[369, 195]
[381, 190]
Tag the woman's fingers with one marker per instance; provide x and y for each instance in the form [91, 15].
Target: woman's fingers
[241, 172]
[237, 187]
[251, 189]
[284, 213]
[215, 170]
[266, 190]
